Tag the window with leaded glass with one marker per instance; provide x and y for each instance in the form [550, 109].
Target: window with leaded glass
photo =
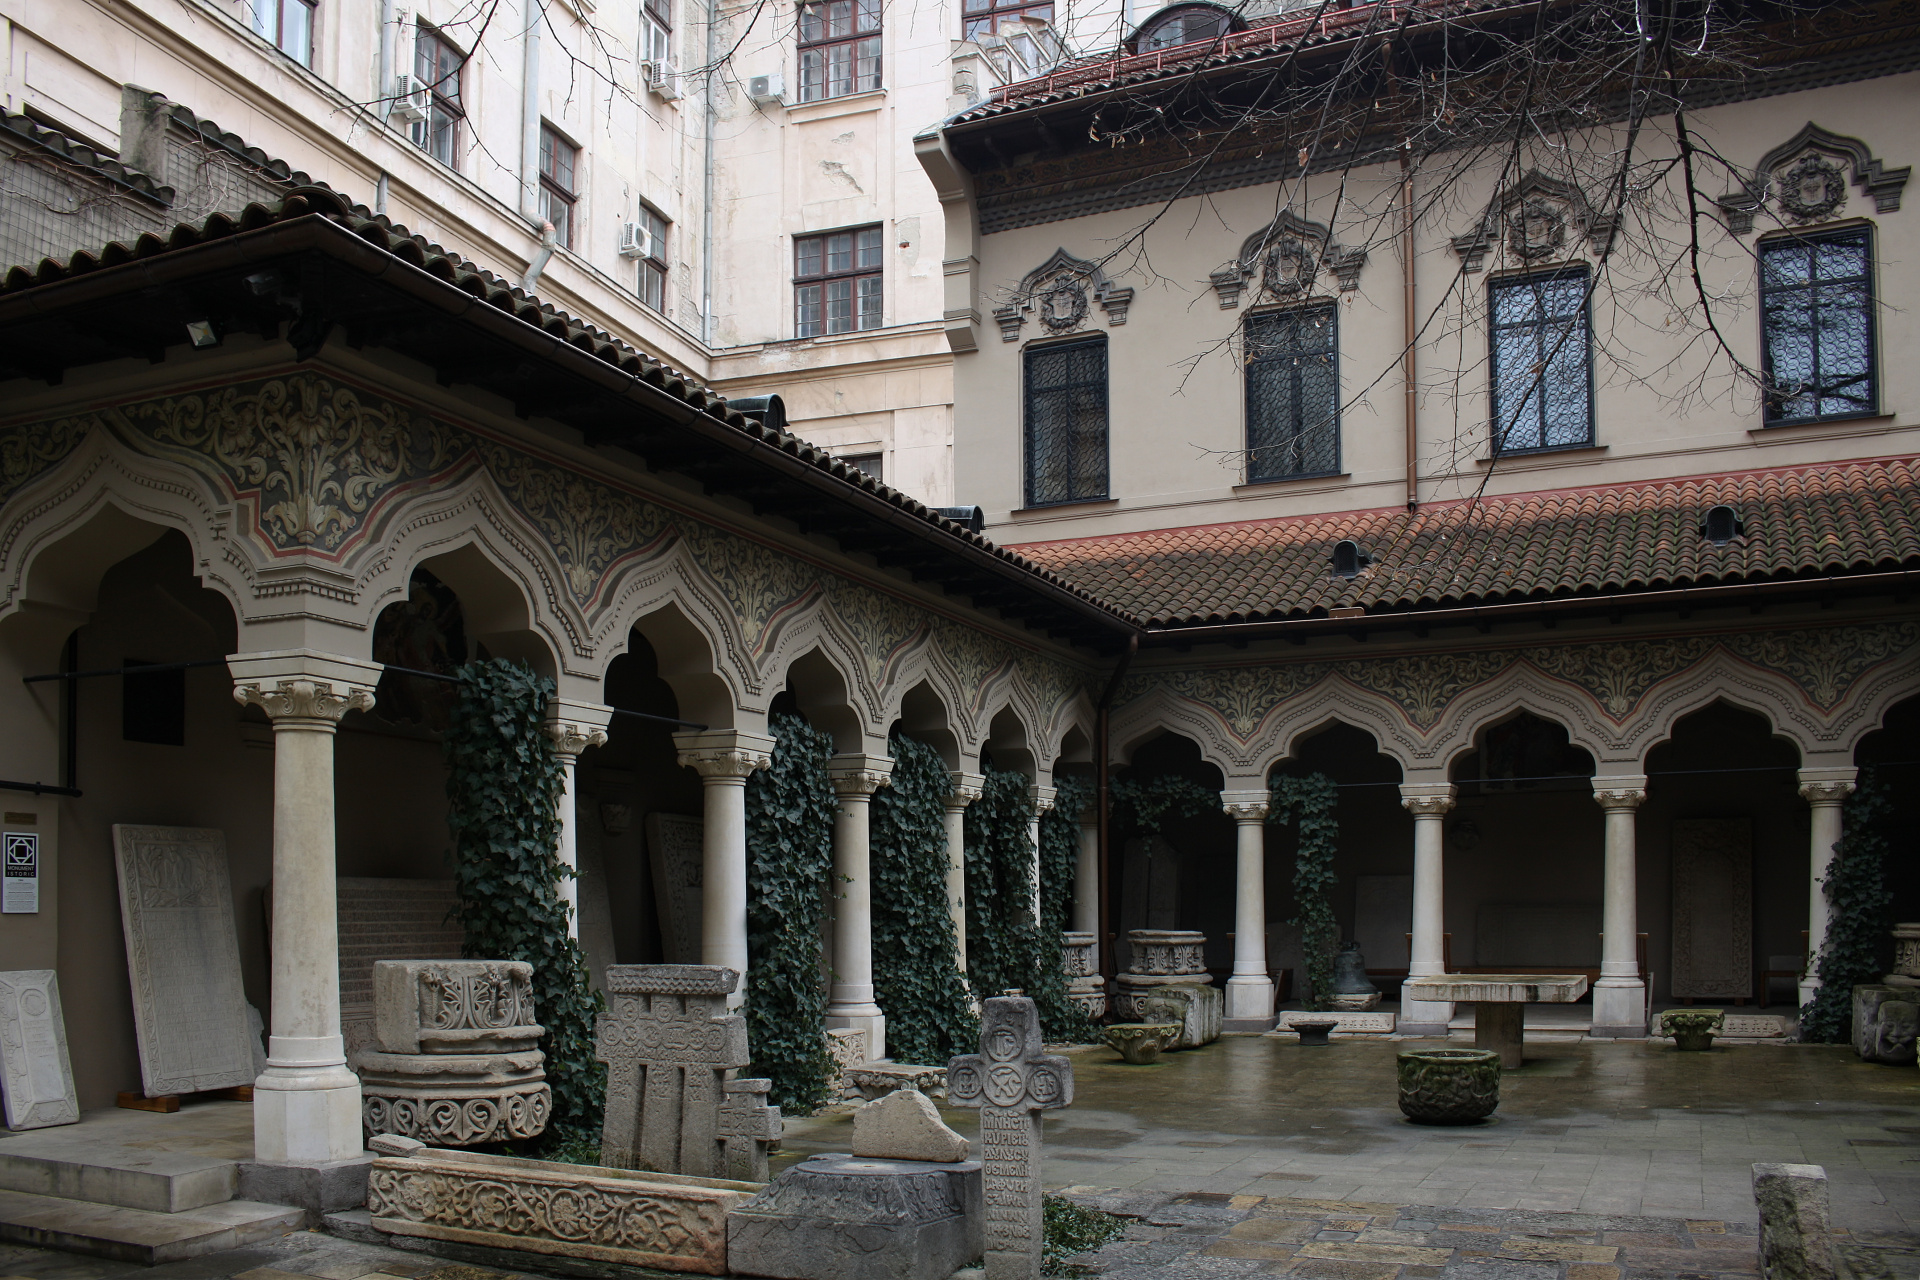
[1066, 422]
[1542, 362]
[286, 24]
[437, 64]
[1816, 309]
[559, 161]
[986, 17]
[653, 262]
[1293, 393]
[839, 48]
[836, 282]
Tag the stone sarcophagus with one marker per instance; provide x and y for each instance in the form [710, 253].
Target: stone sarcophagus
[1160, 958]
[458, 1063]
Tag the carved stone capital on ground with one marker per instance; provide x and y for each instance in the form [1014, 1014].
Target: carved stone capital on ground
[1426, 801]
[856, 776]
[967, 787]
[724, 755]
[1625, 791]
[301, 687]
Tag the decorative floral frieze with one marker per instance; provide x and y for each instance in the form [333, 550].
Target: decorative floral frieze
[1536, 220]
[1805, 179]
[1058, 293]
[28, 452]
[1287, 255]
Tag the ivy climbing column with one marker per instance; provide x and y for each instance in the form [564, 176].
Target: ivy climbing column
[723, 758]
[850, 1000]
[1429, 804]
[1824, 790]
[966, 789]
[1249, 989]
[1619, 996]
[573, 726]
[1042, 799]
[306, 1108]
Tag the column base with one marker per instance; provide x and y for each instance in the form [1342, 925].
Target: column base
[323, 1187]
[1249, 999]
[1619, 1008]
[874, 1024]
[310, 1118]
[1809, 988]
[1423, 1017]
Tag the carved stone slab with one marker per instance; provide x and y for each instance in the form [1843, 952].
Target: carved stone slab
[183, 956]
[1713, 908]
[1497, 988]
[1346, 1023]
[34, 1071]
[577, 1211]
[387, 920]
[675, 853]
[669, 1045]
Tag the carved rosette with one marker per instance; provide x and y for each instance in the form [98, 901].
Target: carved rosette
[724, 764]
[1287, 255]
[312, 703]
[1536, 220]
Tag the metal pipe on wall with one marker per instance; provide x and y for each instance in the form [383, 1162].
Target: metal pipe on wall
[706, 177]
[530, 112]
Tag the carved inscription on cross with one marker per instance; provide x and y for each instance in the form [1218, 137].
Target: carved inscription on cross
[1011, 1082]
[669, 1045]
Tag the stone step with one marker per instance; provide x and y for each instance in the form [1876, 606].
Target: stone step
[45, 1163]
[138, 1235]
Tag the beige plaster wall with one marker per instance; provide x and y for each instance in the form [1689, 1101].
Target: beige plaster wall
[1662, 409]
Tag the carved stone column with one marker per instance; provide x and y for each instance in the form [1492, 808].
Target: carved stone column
[723, 758]
[1824, 790]
[573, 727]
[1620, 996]
[850, 997]
[1042, 798]
[1429, 804]
[306, 1108]
[1250, 989]
[966, 789]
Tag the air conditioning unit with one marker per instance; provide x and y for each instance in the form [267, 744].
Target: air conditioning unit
[635, 241]
[663, 78]
[411, 99]
[768, 91]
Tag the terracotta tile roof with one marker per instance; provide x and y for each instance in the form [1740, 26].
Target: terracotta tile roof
[1810, 521]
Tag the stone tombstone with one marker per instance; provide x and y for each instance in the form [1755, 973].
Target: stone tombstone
[387, 919]
[676, 854]
[1011, 1081]
[183, 956]
[669, 1044]
[749, 1126]
[1712, 908]
[34, 1071]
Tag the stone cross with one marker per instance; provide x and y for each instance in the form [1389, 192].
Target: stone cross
[1011, 1082]
[669, 1045]
[748, 1126]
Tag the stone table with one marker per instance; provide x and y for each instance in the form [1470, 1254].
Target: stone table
[1501, 1000]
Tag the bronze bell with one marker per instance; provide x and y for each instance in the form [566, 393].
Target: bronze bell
[1350, 973]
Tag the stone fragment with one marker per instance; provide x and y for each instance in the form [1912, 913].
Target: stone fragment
[393, 1144]
[1795, 1233]
[749, 1128]
[183, 956]
[1140, 1043]
[875, 1080]
[1080, 959]
[1886, 1021]
[905, 1126]
[1198, 1008]
[844, 1218]
[1011, 1082]
[847, 1047]
[34, 1072]
[669, 1045]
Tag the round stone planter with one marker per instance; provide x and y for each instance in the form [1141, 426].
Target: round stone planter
[1449, 1086]
[1140, 1042]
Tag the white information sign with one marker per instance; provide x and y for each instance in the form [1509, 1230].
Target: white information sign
[20, 894]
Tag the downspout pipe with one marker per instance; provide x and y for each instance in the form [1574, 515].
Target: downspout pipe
[384, 70]
[706, 177]
[530, 282]
[1410, 409]
[1102, 785]
[530, 127]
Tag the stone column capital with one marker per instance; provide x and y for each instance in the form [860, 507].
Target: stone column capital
[856, 777]
[575, 726]
[723, 756]
[1246, 806]
[1621, 791]
[1427, 800]
[302, 688]
[1820, 787]
[967, 787]
[1042, 798]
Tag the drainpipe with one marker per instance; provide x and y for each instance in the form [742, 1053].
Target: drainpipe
[531, 280]
[384, 69]
[530, 128]
[1102, 776]
[1410, 410]
[706, 180]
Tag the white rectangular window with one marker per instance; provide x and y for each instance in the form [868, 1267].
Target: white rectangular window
[286, 24]
[437, 65]
[653, 265]
[559, 162]
[656, 31]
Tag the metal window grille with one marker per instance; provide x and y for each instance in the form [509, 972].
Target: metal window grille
[437, 65]
[653, 267]
[1542, 358]
[286, 24]
[839, 48]
[837, 282]
[1066, 422]
[986, 17]
[1293, 393]
[1816, 307]
[559, 159]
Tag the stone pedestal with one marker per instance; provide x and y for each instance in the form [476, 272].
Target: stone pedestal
[1906, 956]
[838, 1217]
[1081, 961]
[1160, 958]
[457, 1064]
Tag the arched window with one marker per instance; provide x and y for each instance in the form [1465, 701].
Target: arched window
[1184, 24]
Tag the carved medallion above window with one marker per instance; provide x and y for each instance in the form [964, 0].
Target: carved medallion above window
[1804, 180]
[1536, 221]
[1059, 294]
[1287, 256]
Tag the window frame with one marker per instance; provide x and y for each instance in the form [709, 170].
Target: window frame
[656, 22]
[1863, 230]
[1041, 350]
[827, 275]
[655, 265]
[1332, 310]
[823, 45]
[992, 12]
[422, 131]
[277, 37]
[552, 190]
[1568, 271]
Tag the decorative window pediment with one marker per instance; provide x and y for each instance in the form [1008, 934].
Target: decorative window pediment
[1538, 220]
[1805, 180]
[1286, 256]
[1060, 293]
